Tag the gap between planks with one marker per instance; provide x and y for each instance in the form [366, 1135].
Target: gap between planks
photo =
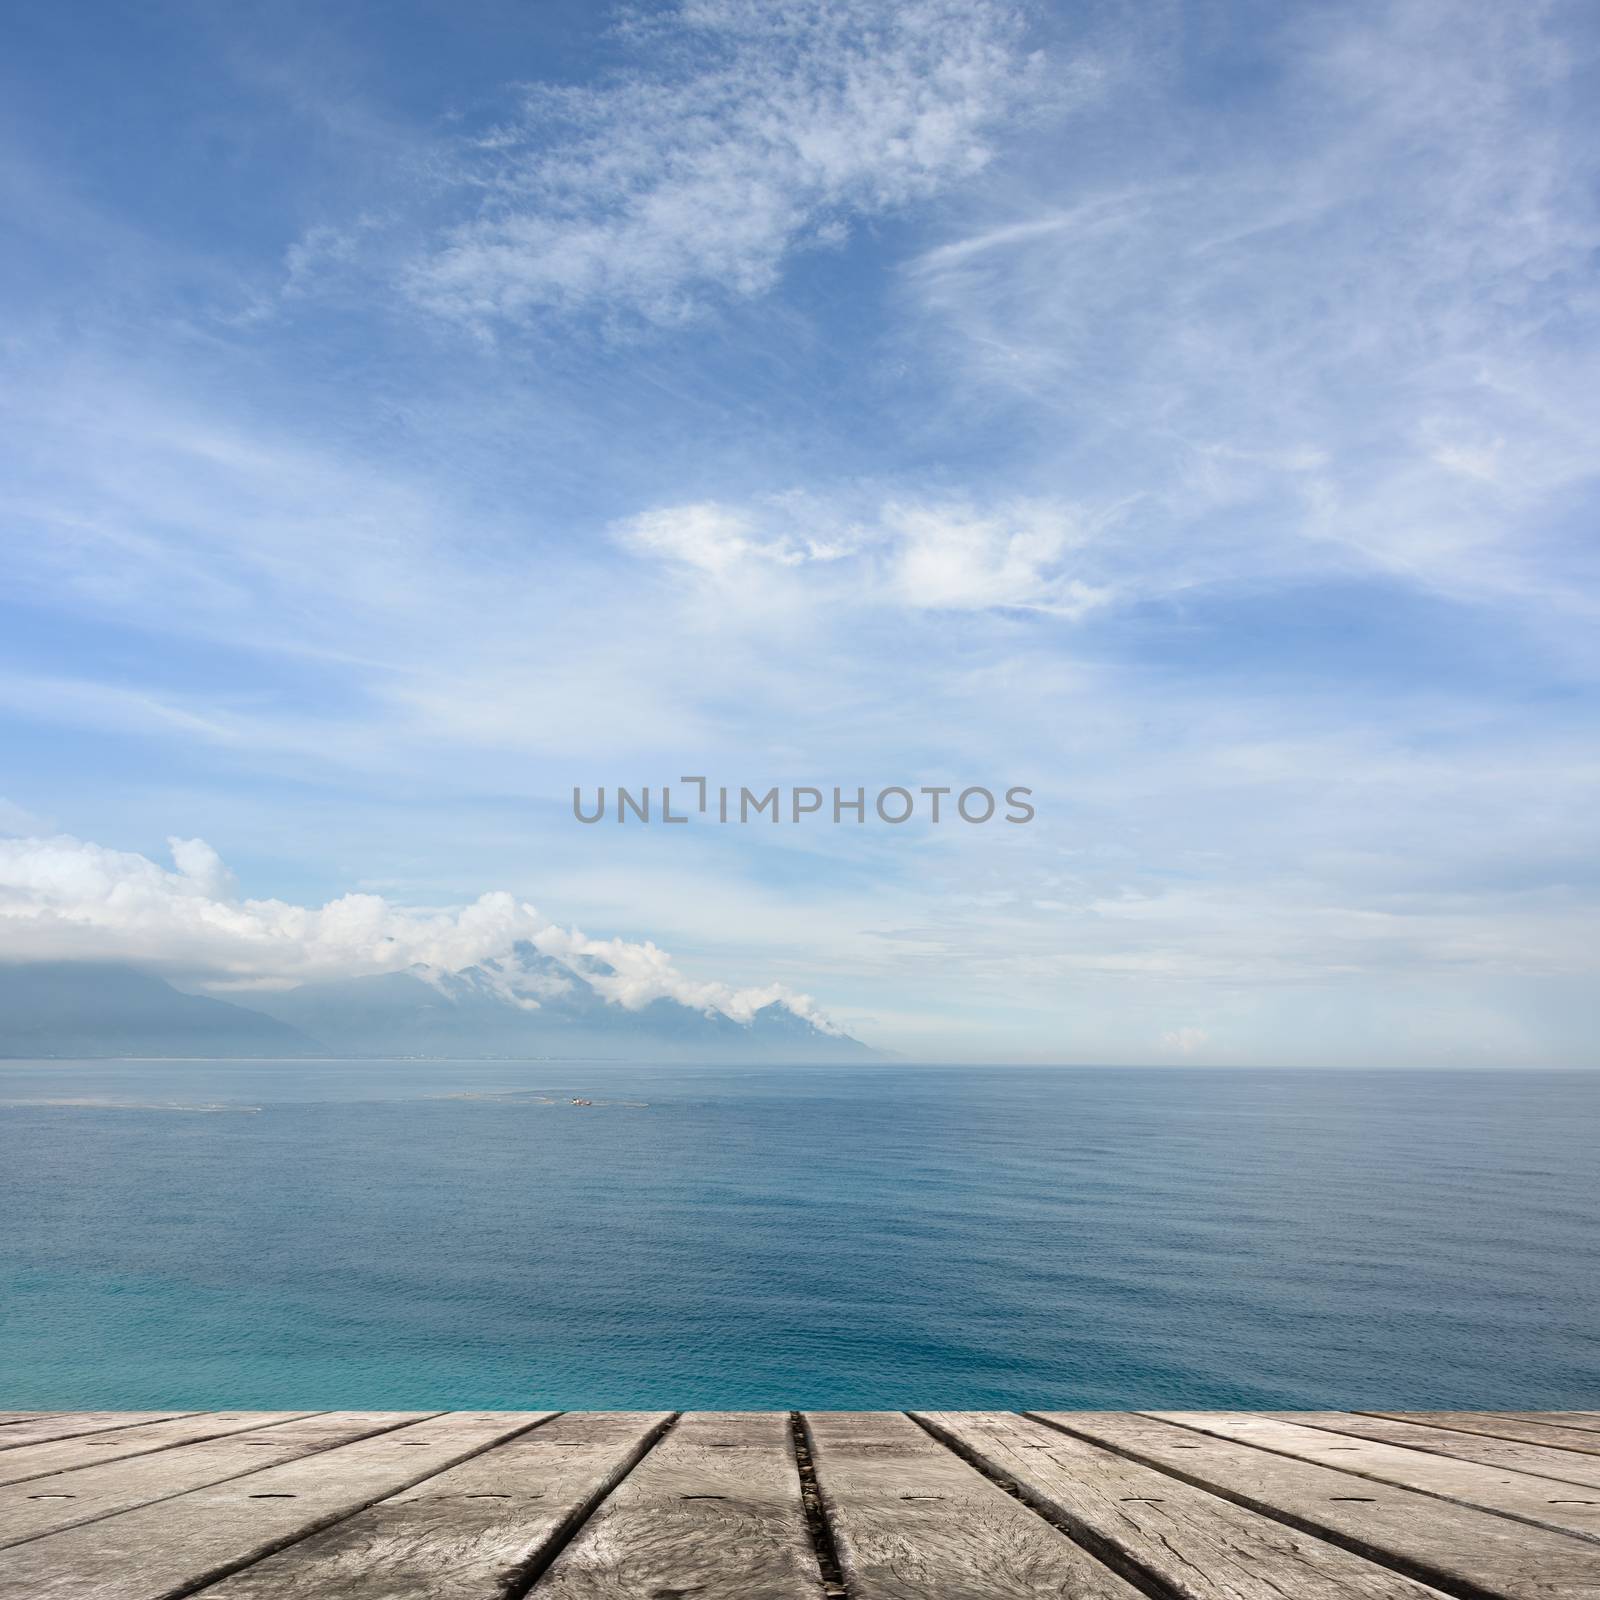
[785, 1506]
[1462, 1550]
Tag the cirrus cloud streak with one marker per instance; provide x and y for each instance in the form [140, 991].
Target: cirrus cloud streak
[740, 134]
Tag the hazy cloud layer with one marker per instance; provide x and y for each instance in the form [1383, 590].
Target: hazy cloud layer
[1369, 341]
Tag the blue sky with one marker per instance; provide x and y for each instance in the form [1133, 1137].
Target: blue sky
[1188, 411]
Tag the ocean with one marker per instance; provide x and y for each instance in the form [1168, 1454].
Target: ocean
[424, 1234]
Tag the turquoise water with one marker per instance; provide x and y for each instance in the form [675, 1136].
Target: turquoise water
[822, 1237]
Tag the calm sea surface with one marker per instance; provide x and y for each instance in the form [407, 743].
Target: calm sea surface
[821, 1237]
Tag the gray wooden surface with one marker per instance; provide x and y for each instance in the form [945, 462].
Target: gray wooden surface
[70, 1424]
[473, 1532]
[1537, 1459]
[46, 1505]
[713, 1512]
[365, 1505]
[172, 1547]
[62, 1455]
[1587, 1420]
[1191, 1542]
[1513, 1494]
[911, 1519]
[1446, 1545]
[1504, 1426]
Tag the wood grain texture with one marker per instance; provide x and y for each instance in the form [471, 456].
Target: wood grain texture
[38, 1506]
[69, 1424]
[474, 1532]
[1104, 1506]
[1197, 1545]
[62, 1455]
[1562, 1466]
[1508, 1493]
[713, 1512]
[1433, 1540]
[912, 1521]
[1499, 1425]
[1588, 1421]
[161, 1551]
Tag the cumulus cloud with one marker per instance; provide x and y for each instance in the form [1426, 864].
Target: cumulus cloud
[951, 558]
[66, 898]
[633, 975]
[923, 555]
[744, 132]
[717, 539]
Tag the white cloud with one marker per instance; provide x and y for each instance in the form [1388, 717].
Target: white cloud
[715, 538]
[200, 866]
[922, 555]
[633, 975]
[66, 898]
[1185, 1041]
[745, 132]
[1360, 339]
[956, 559]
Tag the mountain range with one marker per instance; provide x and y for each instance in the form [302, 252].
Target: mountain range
[526, 1006]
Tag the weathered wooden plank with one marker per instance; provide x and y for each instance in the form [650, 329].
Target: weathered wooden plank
[8, 1417]
[1449, 1545]
[1508, 1493]
[62, 1455]
[911, 1520]
[713, 1512]
[161, 1551]
[475, 1532]
[69, 1424]
[1588, 1421]
[1563, 1466]
[1498, 1425]
[1193, 1543]
[38, 1506]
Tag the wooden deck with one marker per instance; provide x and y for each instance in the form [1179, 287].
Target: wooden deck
[1071, 1505]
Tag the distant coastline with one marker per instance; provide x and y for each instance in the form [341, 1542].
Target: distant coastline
[515, 1011]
